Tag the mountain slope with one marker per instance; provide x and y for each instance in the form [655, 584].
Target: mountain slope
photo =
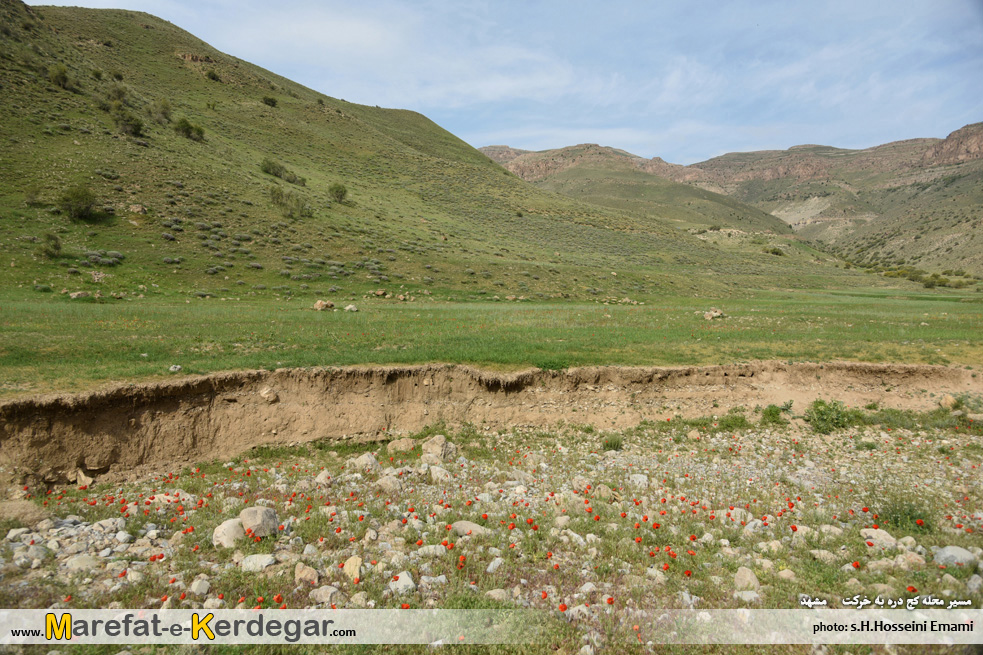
[615, 178]
[94, 97]
[911, 203]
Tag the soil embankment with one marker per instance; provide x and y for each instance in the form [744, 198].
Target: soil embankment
[115, 430]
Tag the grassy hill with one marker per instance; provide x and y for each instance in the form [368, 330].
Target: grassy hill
[617, 179]
[214, 224]
[906, 205]
[115, 101]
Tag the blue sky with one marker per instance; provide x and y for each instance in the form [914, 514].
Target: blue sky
[685, 80]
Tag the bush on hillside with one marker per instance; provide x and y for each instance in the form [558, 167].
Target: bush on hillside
[58, 75]
[189, 130]
[338, 192]
[78, 202]
[269, 100]
[277, 169]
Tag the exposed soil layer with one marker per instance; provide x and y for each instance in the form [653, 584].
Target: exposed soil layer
[116, 430]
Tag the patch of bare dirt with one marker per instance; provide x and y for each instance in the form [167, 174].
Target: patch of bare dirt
[115, 430]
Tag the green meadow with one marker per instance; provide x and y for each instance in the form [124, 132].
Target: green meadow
[59, 344]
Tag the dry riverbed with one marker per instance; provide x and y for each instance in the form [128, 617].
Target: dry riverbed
[597, 530]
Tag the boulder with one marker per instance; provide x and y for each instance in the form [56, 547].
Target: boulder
[228, 533]
[256, 563]
[439, 445]
[403, 445]
[259, 521]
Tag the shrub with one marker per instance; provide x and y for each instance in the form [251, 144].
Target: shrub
[772, 415]
[129, 124]
[58, 75]
[338, 191]
[290, 204]
[277, 169]
[160, 111]
[612, 442]
[212, 75]
[825, 417]
[31, 195]
[78, 202]
[269, 100]
[50, 247]
[189, 130]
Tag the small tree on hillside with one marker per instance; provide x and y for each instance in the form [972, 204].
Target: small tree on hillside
[78, 202]
[338, 191]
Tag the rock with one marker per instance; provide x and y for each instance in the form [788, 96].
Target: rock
[561, 521]
[327, 595]
[948, 401]
[436, 550]
[693, 434]
[438, 474]
[603, 492]
[909, 561]
[269, 395]
[15, 533]
[579, 482]
[786, 574]
[323, 478]
[228, 533]
[955, 556]
[499, 595]
[403, 445]
[353, 568]
[638, 481]
[465, 528]
[439, 446]
[321, 305]
[656, 575]
[750, 596]
[214, 604]
[974, 584]
[259, 521]
[137, 209]
[200, 587]
[712, 314]
[82, 479]
[256, 563]
[824, 556]
[365, 462]
[304, 574]
[402, 583]
[351, 308]
[745, 579]
[83, 562]
[494, 564]
[389, 484]
[880, 565]
[880, 538]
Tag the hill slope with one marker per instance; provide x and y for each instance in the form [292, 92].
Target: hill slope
[116, 101]
[912, 203]
[615, 178]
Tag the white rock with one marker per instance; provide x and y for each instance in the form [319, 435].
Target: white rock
[227, 533]
[256, 563]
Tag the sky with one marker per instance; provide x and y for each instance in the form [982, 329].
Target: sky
[685, 80]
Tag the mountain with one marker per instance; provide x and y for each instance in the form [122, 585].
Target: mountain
[907, 205]
[213, 177]
[620, 180]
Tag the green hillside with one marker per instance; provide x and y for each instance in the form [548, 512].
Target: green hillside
[617, 179]
[907, 205]
[115, 101]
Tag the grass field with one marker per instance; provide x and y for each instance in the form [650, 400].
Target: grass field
[68, 345]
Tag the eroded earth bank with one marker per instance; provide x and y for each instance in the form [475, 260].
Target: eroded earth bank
[115, 431]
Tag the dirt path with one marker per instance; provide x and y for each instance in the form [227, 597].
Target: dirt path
[117, 429]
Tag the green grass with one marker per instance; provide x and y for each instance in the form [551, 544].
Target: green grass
[82, 344]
